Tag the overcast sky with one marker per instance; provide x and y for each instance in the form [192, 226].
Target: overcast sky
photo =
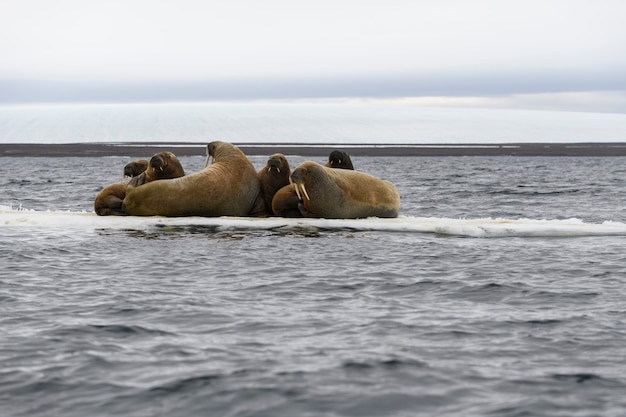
[530, 51]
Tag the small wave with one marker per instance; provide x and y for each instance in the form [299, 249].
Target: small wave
[393, 363]
[186, 384]
[522, 192]
[580, 378]
[115, 330]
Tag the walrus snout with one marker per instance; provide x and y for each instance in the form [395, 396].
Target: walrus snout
[157, 162]
[274, 163]
[297, 176]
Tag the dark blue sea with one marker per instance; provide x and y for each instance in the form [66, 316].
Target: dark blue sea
[499, 291]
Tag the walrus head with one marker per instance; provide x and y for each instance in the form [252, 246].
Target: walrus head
[278, 162]
[162, 166]
[134, 168]
[298, 178]
[339, 159]
[210, 153]
[166, 166]
[158, 163]
[218, 149]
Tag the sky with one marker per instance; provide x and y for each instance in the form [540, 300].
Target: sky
[544, 54]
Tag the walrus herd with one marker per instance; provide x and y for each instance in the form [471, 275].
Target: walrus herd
[231, 186]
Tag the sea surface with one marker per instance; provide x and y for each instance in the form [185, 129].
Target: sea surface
[499, 291]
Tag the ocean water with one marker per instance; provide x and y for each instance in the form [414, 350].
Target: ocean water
[499, 291]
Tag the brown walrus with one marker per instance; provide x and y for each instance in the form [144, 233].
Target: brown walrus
[162, 165]
[339, 159]
[227, 187]
[274, 176]
[343, 194]
[285, 202]
[134, 168]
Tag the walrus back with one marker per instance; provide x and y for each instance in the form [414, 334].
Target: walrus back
[369, 195]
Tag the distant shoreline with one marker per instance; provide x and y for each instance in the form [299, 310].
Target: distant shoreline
[136, 149]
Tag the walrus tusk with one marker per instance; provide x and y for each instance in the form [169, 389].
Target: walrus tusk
[297, 191]
[305, 193]
[303, 190]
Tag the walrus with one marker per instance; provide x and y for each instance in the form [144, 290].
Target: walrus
[343, 194]
[274, 176]
[161, 166]
[227, 187]
[285, 201]
[339, 159]
[134, 168]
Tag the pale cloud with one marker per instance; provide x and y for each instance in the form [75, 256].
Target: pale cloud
[496, 47]
[594, 101]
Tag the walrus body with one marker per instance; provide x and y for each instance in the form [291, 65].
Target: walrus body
[285, 202]
[108, 201]
[162, 165]
[339, 159]
[227, 187]
[343, 194]
[274, 176]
